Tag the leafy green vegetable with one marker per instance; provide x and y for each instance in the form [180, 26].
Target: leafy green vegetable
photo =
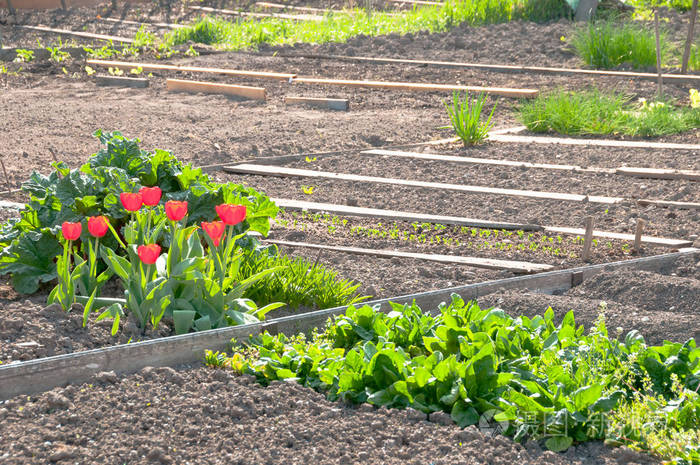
[541, 380]
[119, 166]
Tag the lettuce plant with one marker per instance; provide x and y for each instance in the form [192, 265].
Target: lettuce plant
[537, 379]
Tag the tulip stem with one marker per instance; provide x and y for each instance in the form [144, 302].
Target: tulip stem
[116, 236]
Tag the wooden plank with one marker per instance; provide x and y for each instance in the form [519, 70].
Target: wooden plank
[137, 23]
[590, 142]
[483, 161]
[46, 373]
[419, 87]
[179, 85]
[340, 104]
[650, 240]
[652, 173]
[477, 262]
[149, 67]
[34, 376]
[301, 17]
[121, 81]
[670, 78]
[87, 35]
[294, 172]
[655, 173]
[402, 216]
[670, 204]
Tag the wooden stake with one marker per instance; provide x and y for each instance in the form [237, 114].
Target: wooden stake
[638, 235]
[586, 10]
[588, 239]
[11, 8]
[53, 154]
[7, 178]
[660, 89]
[63, 5]
[689, 40]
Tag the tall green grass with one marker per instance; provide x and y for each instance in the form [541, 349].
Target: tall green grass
[594, 113]
[608, 44]
[465, 117]
[299, 282]
[339, 27]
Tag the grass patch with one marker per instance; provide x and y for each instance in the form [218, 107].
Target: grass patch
[300, 283]
[465, 117]
[606, 44]
[339, 27]
[595, 113]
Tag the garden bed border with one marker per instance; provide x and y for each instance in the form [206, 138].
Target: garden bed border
[43, 374]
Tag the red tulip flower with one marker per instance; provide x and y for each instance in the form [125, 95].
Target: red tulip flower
[71, 231]
[175, 210]
[132, 202]
[149, 253]
[151, 195]
[98, 225]
[215, 230]
[231, 214]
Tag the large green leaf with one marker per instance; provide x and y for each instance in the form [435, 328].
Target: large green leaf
[30, 260]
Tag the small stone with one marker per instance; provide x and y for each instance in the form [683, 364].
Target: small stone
[54, 309]
[106, 377]
[28, 345]
[12, 324]
[77, 308]
[158, 455]
[57, 401]
[63, 453]
[415, 415]
[441, 418]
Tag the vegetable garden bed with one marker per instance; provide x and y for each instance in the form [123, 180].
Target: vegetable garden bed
[52, 105]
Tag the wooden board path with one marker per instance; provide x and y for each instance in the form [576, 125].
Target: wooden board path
[654, 173]
[474, 223]
[339, 104]
[300, 17]
[630, 144]
[43, 374]
[247, 168]
[87, 35]
[179, 85]
[149, 67]
[477, 262]
[419, 87]
[670, 78]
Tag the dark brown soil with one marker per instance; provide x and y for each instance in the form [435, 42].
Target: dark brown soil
[559, 251]
[206, 416]
[661, 306]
